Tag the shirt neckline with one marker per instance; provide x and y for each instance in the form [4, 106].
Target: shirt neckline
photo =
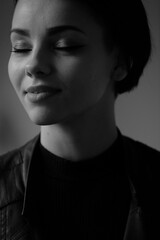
[57, 167]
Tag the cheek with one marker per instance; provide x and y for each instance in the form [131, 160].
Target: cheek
[85, 77]
[15, 74]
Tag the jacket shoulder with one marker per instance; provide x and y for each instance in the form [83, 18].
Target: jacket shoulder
[143, 172]
[142, 163]
[139, 150]
[10, 159]
[13, 172]
[14, 157]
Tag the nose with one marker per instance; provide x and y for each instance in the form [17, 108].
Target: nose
[38, 65]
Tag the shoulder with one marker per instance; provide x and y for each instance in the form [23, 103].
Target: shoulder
[15, 157]
[143, 171]
[142, 165]
[13, 172]
[142, 162]
[141, 147]
[141, 152]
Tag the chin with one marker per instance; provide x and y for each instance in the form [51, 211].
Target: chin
[42, 118]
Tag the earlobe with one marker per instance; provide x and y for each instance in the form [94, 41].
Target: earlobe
[119, 73]
[121, 68]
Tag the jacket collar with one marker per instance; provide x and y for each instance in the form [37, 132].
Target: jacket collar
[14, 170]
[28, 154]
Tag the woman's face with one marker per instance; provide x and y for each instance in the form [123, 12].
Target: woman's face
[59, 65]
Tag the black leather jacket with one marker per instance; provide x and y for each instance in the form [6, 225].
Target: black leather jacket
[143, 174]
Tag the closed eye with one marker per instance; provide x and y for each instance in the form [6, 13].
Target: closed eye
[21, 50]
[69, 48]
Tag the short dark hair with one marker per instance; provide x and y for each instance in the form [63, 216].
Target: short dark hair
[128, 24]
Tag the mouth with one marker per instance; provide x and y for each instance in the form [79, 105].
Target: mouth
[37, 94]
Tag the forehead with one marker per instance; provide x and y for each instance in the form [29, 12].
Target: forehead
[47, 13]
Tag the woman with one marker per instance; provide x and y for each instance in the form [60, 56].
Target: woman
[80, 178]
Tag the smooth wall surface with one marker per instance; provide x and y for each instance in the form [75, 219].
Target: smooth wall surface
[137, 113]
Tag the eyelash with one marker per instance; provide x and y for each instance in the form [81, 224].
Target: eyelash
[67, 49]
[16, 50]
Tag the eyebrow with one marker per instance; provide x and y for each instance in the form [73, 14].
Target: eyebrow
[50, 31]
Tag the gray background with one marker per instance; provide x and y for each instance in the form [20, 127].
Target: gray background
[137, 113]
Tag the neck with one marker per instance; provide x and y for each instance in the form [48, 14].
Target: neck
[84, 137]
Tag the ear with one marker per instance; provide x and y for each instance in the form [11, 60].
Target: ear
[120, 69]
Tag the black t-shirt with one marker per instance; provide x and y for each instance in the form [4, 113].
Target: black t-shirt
[88, 199]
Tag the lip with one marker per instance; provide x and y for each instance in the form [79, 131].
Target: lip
[37, 94]
[41, 88]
